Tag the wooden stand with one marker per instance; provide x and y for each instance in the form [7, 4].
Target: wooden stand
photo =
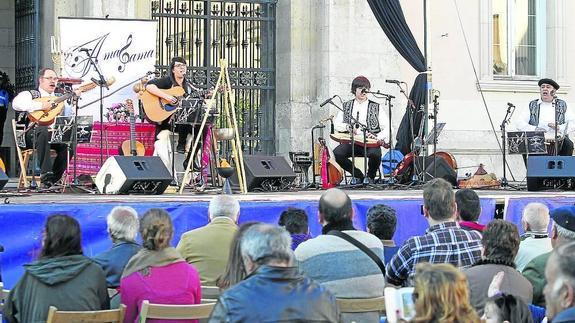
[230, 116]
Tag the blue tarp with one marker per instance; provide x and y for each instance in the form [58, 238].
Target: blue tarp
[21, 225]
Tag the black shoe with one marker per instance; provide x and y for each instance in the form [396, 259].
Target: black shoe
[181, 148]
[47, 179]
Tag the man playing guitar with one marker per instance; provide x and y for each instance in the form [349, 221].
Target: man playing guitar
[24, 101]
[369, 115]
[541, 116]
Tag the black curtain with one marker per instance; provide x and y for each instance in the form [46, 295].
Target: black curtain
[391, 19]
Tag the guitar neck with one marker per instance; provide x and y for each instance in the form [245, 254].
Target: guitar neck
[132, 133]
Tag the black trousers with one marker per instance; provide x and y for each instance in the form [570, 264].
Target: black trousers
[43, 147]
[3, 112]
[342, 157]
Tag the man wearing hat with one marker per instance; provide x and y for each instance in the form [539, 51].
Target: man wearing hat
[541, 116]
[366, 112]
[563, 232]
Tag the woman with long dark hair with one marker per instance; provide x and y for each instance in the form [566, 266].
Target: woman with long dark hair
[158, 273]
[235, 271]
[61, 277]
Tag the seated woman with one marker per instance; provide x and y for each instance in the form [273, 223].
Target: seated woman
[61, 277]
[235, 271]
[158, 273]
[441, 295]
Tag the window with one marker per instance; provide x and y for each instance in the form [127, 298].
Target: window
[517, 37]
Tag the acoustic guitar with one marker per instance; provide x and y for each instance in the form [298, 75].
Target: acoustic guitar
[132, 147]
[158, 109]
[46, 118]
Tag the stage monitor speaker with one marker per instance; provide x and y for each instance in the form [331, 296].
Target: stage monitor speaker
[133, 175]
[3, 179]
[265, 173]
[551, 172]
[442, 170]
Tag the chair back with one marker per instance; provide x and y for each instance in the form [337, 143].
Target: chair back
[360, 305]
[210, 292]
[105, 316]
[175, 312]
[3, 296]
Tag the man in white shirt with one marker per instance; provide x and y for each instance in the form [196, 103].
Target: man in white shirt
[24, 101]
[369, 115]
[541, 116]
[535, 241]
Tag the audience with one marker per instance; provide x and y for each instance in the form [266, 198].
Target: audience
[235, 271]
[157, 272]
[506, 308]
[207, 248]
[343, 268]
[294, 220]
[536, 241]
[560, 287]
[443, 242]
[500, 244]
[122, 228]
[274, 289]
[563, 232]
[468, 209]
[381, 222]
[441, 295]
[61, 277]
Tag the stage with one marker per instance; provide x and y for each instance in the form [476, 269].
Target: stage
[23, 215]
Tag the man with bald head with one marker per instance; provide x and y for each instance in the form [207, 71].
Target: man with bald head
[337, 264]
[535, 241]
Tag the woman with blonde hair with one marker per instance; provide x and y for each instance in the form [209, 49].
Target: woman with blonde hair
[158, 273]
[441, 295]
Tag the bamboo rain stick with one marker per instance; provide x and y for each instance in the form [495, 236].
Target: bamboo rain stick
[237, 137]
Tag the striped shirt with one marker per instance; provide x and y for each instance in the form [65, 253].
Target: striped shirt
[442, 243]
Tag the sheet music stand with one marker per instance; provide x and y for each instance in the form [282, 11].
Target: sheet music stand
[190, 111]
[526, 142]
[432, 136]
[63, 129]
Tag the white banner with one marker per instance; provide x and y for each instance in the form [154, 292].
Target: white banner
[124, 50]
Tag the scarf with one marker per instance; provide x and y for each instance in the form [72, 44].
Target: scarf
[345, 224]
[145, 258]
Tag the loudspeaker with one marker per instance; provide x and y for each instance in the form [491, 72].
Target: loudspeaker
[265, 172]
[133, 175]
[3, 179]
[550, 172]
[442, 170]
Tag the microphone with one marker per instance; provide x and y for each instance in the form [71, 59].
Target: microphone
[327, 101]
[364, 91]
[511, 105]
[85, 49]
[393, 81]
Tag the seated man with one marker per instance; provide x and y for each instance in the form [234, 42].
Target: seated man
[540, 116]
[443, 242]
[123, 225]
[274, 290]
[208, 248]
[344, 269]
[381, 222]
[535, 241]
[294, 220]
[468, 209]
[50, 172]
[366, 112]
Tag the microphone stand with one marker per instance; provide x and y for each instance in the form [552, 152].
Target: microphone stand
[554, 103]
[318, 126]
[506, 120]
[388, 98]
[102, 83]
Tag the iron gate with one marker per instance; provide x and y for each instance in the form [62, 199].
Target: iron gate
[27, 44]
[243, 32]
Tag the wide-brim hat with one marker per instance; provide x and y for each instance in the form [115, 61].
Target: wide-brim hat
[550, 82]
[564, 217]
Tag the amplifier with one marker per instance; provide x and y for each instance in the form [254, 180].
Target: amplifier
[551, 172]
